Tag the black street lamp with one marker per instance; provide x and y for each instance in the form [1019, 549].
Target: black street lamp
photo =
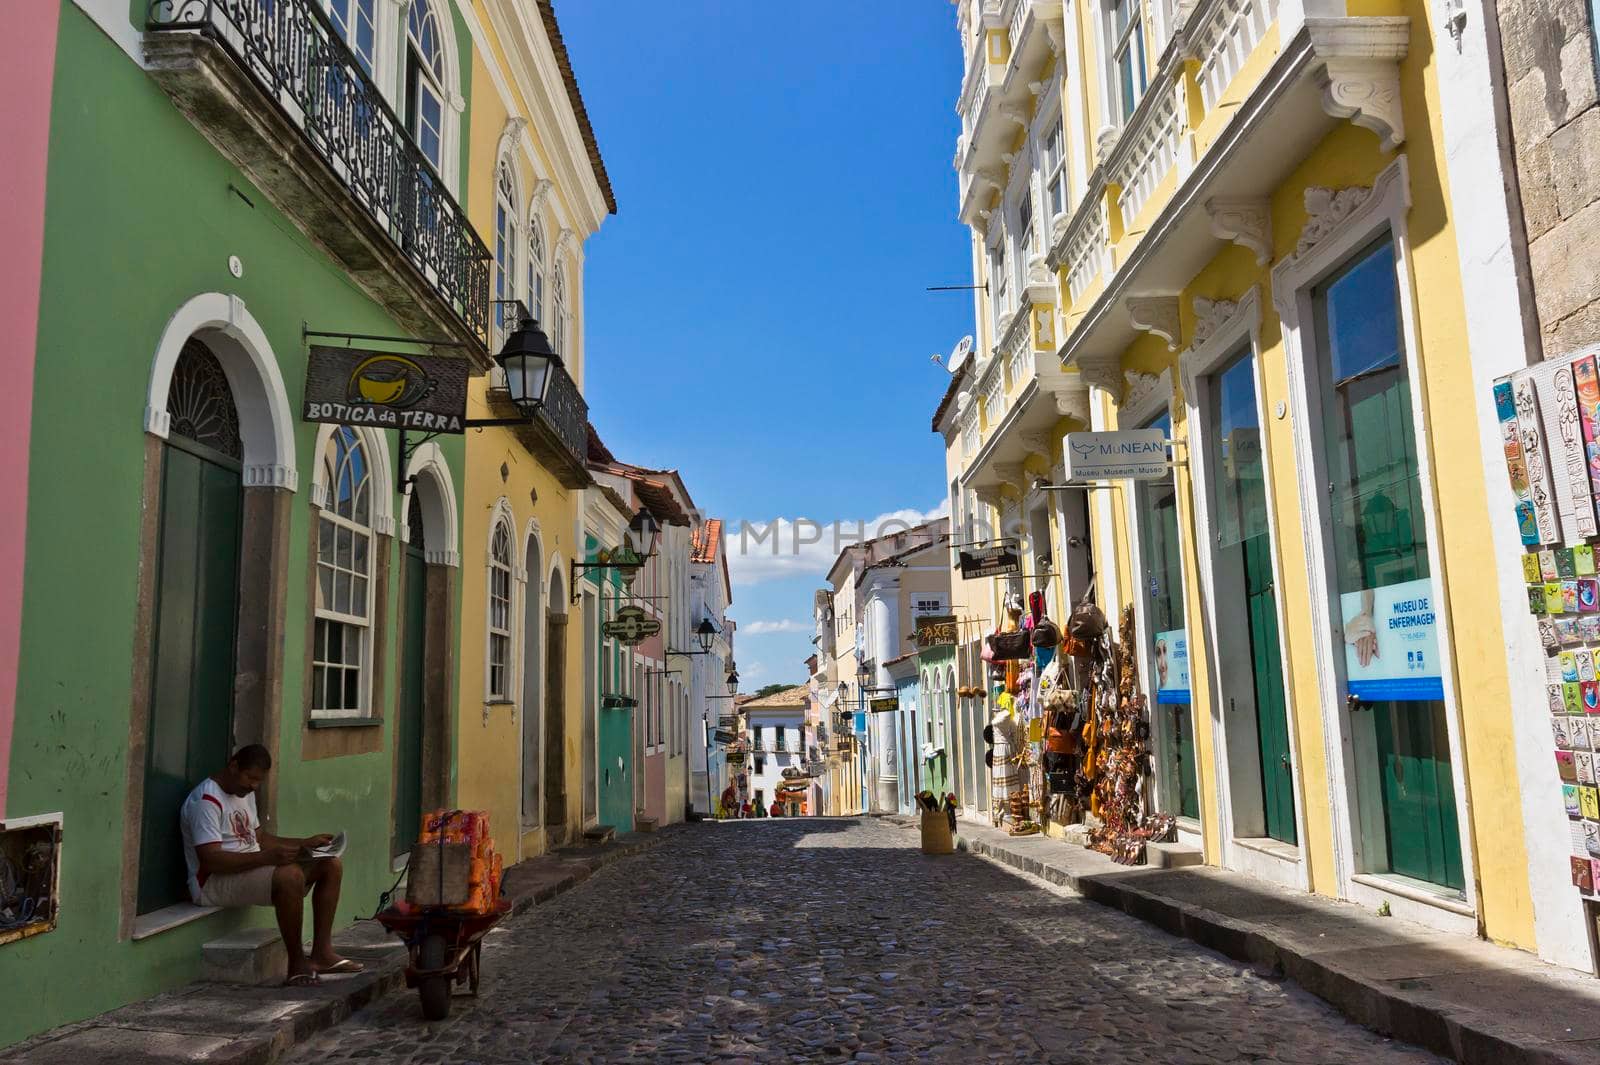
[863, 676]
[706, 633]
[641, 533]
[733, 683]
[527, 359]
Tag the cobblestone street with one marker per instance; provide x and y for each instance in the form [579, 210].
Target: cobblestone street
[831, 939]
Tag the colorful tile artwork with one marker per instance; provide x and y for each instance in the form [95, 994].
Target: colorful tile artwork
[1511, 440]
[1571, 459]
[1540, 486]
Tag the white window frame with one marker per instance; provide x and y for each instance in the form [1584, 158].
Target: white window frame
[506, 238]
[537, 250]
[360, 625]
[1385, 208]
[434, 79]
[558, 310]
[1053, 169]
[347, 16]
[500, 532]
[1130, 38]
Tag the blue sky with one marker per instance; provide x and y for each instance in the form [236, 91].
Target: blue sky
[756, 310]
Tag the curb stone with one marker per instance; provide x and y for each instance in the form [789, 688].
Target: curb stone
[1418, 1015]
[230, 1024]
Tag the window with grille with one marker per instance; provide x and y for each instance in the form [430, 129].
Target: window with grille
[341, 640]
[505, 248]
[536, 271]
[499, 686]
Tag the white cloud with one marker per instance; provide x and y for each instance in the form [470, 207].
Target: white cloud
[785, 548]
[761, 628]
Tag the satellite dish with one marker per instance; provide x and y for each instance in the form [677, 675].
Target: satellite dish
[963, 348]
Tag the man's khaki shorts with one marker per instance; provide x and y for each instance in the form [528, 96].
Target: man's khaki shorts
[252, 887]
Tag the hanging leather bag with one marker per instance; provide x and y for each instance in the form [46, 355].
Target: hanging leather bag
[1010, 646]
[1046, 633]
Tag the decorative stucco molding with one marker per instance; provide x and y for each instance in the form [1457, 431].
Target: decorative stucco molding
[1037, 444]
[1013, 475]
[1102, 372]
[1140, 388]
[1209, 316]
[541, 193]
[1105, 140]
[1325, 209]
[1015, 114]
[1246, 222]
[1360, 72]
[1073, 402]
[989, 495]
[512, 136]
[1158, 315]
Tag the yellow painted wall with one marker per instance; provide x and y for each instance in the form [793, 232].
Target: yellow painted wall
[489, 769]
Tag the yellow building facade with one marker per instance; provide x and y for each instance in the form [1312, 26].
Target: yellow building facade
[539, 190]
[1232, 222]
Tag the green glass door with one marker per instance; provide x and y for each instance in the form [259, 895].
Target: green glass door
[1166, 641]
[1244, 546]
[1380, 554]
[196, 617]
[413, 678]
[1266, 675]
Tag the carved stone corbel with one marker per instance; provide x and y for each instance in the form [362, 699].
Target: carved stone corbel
[1246, 222]
[1037, 444]
[1360, 72]
[989, 495]
[1158, 315]
[1072, 401]
[1014, 475]
[1103, 372]
[516, 127]
[1015, 114]
[1105, 140]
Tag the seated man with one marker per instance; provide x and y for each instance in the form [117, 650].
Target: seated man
[233, 863]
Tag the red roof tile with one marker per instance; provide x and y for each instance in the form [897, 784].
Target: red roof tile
[705, 541]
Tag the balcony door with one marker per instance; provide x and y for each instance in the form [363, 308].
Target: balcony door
[425, 80]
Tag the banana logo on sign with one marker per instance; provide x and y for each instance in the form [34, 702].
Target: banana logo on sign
[389, 381]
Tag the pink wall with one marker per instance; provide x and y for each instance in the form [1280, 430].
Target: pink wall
[27, 66]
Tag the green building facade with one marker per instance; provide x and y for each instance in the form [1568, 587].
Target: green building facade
[205, 569]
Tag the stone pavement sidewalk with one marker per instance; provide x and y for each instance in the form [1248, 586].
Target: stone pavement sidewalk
[1463, 998]
[231, 1024]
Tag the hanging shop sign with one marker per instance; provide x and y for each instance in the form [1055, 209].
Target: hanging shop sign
[734, 758]
[618, 702]
[1137, 454]
[631, 625]
[724, 736]
[357, 386]
[883, 704]
[816, 769]
[936, 632]
[728, 721]
[1391, 643]
[989, 562]
[1172, 666]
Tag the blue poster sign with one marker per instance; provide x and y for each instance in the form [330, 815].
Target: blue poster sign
[1391, 642]
[1172, 666]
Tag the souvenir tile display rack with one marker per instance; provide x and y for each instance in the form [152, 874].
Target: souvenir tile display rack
[1549, 418]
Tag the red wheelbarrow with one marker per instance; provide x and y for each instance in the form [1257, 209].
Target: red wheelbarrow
[445, 949]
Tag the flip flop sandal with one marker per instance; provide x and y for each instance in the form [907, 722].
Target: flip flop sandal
[301, 980]
[345, 966]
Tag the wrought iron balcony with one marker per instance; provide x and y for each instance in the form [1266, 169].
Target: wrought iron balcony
[558, 434]
[328, 150]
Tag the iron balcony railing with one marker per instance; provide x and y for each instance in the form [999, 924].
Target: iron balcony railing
[566, 413]
[291, 49]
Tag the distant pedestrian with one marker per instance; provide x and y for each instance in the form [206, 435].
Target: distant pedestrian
[729, 806]
[744, 811]
[777, 808]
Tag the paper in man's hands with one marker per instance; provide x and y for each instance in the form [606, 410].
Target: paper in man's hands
[331, 849]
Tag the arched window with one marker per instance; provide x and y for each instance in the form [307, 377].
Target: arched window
[354, 21]
[341, 649]
[200, 403]
[536, 270]
[558, 313]
[425, 80]
[500, 614]
[505, 247]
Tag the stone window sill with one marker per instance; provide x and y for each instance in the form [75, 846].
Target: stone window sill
[344, 722]
[165, 920]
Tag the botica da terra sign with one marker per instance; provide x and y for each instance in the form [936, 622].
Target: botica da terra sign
[355, 386]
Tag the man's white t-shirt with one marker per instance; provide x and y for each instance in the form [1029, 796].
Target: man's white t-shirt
[211, 815]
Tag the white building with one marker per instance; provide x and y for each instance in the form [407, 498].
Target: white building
[775, 735]
[710, 594]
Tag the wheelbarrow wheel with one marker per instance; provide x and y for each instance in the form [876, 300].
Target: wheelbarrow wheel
[434, 990]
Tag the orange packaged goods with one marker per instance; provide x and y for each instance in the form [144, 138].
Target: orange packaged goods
[467, 830]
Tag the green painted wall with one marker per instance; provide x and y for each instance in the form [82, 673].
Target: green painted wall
[140, 219]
